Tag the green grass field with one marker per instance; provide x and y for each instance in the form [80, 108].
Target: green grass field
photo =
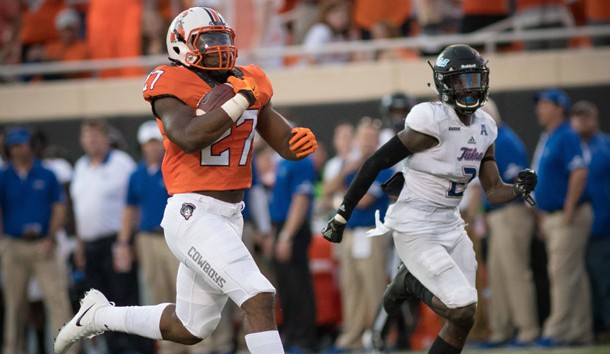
[585, 350]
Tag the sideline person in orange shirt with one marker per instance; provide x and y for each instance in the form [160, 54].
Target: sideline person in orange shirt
[69, 47]
[38, 26]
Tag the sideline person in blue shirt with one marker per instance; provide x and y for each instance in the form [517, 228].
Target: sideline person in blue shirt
[565, 221]
[512, 310]
[291, 207]
[584, 119]
[33, 209]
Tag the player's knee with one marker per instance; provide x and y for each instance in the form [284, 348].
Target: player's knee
[173, 329]
[208, 328]
[461, 297]
[191, 340]
[463, 316]
[259, 305]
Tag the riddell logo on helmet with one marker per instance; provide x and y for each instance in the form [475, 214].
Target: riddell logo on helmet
[468, 66]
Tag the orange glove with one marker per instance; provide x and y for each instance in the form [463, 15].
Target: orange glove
[303, 142]
[245, 86]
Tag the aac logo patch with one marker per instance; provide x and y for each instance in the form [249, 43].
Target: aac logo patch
[187, 210]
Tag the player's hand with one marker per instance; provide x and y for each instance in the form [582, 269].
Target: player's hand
[333, 231]
[245, 86]
[525, 183]
[303, 142]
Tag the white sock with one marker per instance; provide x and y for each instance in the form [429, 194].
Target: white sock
[268, 342]
[140, 320]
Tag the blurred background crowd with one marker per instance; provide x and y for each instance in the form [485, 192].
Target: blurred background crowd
[542, 276]
[34, 31]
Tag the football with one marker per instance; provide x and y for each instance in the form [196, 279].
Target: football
[218, 95]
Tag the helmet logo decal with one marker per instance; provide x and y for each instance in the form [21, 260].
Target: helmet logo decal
[178, 33]
[441, 61]
[468, 66]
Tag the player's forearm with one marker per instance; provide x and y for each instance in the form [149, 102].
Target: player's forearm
[576, 186]
[276, 131]
[190, 132]
[206, 129]
[500, 193]
[387, 156]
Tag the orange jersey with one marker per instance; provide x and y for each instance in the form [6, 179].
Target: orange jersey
[227, 163]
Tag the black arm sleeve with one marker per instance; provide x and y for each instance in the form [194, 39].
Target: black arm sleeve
[387, 156]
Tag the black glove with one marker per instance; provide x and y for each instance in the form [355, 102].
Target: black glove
[333, 231]
[525, 183]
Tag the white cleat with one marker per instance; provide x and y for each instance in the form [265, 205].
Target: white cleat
[82, 325]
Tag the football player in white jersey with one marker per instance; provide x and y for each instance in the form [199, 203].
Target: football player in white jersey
[443, 146]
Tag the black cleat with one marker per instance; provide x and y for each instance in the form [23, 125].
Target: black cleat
[396, 293]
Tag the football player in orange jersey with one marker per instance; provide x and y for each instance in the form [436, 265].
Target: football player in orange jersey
[206, 169]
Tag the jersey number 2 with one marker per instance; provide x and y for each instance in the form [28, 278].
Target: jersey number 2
[208, 158]
[457, 189]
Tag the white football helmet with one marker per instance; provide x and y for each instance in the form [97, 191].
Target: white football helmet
[199, 37]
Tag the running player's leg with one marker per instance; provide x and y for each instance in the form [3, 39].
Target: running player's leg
[212, 248]
[443, 283]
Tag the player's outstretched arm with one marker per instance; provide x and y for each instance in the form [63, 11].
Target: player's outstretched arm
[407, 142]
[290, 143]
[498, 192]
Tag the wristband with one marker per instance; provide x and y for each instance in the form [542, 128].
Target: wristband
[236, 106]
[340, 219]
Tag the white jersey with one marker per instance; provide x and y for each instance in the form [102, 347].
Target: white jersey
[435, 179]
[439, 175]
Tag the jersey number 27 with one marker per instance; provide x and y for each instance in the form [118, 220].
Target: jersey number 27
[222, 158]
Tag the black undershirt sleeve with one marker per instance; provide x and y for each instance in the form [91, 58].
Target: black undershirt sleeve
[387, 156]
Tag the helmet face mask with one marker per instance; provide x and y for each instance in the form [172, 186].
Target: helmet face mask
[200, 38]
[461, 78]
[469, 89]
[216, 49]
